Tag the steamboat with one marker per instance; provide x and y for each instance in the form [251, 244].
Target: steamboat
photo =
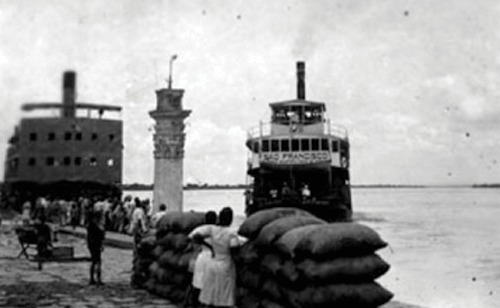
[64, 150]
[299, 159]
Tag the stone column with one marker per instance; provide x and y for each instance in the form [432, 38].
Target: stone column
[168, 149]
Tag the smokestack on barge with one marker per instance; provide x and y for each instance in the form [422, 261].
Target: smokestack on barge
[69, 94]
[301, 80]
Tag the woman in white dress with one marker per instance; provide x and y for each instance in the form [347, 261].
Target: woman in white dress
[219, 277]
[204, 256]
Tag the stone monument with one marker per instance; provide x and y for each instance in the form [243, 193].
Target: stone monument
[168, 140]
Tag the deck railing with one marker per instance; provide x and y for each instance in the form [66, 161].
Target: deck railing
[264, 129]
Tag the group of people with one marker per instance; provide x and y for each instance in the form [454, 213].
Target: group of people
[97, 215]
[214, 272]
[117, 214]
[287, 191]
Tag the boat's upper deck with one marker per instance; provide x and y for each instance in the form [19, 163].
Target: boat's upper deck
[297, 117]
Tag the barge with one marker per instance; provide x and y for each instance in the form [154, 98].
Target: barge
[64, 151]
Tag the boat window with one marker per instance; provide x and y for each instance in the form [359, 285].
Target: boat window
[285, 145]
[324, 144]
[78, 136]
[67, 136]
[256, 147]
[51, 136]
[314, 144]
[335, 146]
[50, 161]
[111, 162]
[275, 145]
[304, 145]
[265, 145]
[299, 112]
[33, 137]
[32, 161]
[111, 137]
[295, 145]
[93, 161]
[308, 115]
[78, 161]
[280, 116]
[94, 136]
[67, 161]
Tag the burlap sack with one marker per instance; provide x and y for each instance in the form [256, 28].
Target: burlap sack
[359, 295]
[272, 290]
[247, 254]
[150, 284]
[249, 277]
[339, 239]
[170, 292]
[254, 223]
[344, 269]
[169, 258]
[271, 263]
[161, 275]
[166, 240]
[288, 274]
[246, 298]
[153, 267]
[183, 222]
[288, 242]
[275, 229]
[146, 246]
[157, 251]
[266, 303]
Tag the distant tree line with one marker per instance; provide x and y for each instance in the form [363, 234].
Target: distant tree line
[138, 186]
[486, 186]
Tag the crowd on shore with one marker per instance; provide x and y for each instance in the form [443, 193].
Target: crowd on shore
[117, 213]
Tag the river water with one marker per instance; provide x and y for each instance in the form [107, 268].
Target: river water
[444, 243]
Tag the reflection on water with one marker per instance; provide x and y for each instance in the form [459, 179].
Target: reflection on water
[444, 243]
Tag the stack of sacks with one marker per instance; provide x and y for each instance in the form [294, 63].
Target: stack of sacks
[260, 266]
[145, 256]
[298, 260]
[168, 274]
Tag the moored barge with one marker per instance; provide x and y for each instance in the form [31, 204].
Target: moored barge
[76, 151]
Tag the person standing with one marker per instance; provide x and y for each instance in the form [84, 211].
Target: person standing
[138, 224]
[26, 214]
[95, 240]
[155, 218]
[219, 277]
[205, 254]
[306, 193]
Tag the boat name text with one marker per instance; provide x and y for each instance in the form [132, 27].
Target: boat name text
[292, 158]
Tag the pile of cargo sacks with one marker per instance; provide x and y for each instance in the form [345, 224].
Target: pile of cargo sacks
[293, 259]
[164, 258]
[290, 259]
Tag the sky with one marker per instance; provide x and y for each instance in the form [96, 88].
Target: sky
[415, 83]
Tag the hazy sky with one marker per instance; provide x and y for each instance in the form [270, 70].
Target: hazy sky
[416, 83]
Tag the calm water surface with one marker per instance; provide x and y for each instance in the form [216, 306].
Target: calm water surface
[444, 243]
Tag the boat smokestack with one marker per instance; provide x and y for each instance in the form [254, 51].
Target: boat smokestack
[69, 94]
[301, 80]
